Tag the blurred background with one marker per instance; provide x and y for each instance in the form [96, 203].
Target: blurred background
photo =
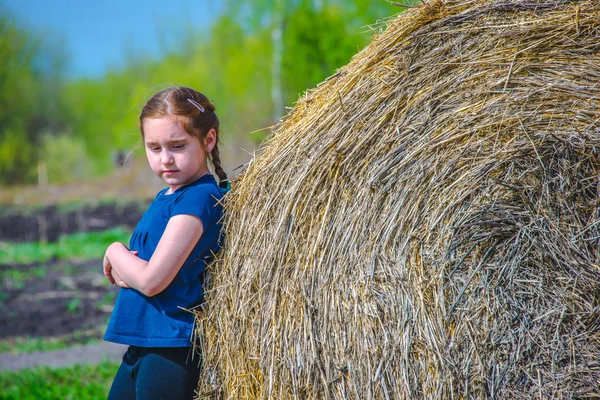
[74, 76]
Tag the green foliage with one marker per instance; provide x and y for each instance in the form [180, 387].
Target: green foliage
[16, 155]
[107, 300]
[65, 158]
[80, 382]
[78, 246]
[74, 305]
[233, 62]
[96, 111]
[30, 83]
[316, 43]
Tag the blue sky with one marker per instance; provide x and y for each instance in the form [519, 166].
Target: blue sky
[98, 35]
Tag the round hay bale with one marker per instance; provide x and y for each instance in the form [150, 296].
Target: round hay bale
[425, 223]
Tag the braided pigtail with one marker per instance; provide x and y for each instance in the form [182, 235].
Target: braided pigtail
[216, 160]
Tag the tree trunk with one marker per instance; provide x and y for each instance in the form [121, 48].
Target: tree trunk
[276, 60]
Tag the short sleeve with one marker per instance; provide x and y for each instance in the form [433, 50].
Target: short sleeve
[202, 201]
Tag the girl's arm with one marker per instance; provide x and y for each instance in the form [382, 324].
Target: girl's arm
[152, 277]
[112, 275]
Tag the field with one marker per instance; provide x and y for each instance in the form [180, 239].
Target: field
[77, 383]
[58, 303]
[53, 292]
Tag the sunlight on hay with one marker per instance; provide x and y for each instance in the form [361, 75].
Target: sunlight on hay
[425, 223]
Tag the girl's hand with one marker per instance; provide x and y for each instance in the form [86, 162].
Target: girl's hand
[110, 273]
[107, 269]
[120, 282]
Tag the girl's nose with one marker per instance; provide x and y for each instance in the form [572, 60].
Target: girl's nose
[166, 157]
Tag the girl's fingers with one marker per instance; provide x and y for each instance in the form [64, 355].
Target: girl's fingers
[107, 269]
[110, 277]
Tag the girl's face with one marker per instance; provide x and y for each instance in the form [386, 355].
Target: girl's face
[175, 156]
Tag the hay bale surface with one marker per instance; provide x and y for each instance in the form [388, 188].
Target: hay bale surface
[425, 223]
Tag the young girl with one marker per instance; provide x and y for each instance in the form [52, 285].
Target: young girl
[161, 272]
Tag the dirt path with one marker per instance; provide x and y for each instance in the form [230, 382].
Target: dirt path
[90, 354]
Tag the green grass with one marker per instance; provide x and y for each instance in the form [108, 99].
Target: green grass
[80, 382]
[26, 344]
[18, 277]
[78, 246]
[107, 300]
[20, 345]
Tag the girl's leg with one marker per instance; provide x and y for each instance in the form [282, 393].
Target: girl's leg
[166, 373]
[123, 386]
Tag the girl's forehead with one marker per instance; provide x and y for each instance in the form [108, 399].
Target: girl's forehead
[157, 129]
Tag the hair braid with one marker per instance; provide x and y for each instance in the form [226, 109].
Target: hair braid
[216, 159]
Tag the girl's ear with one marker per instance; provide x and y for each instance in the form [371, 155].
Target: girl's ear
[210, 140]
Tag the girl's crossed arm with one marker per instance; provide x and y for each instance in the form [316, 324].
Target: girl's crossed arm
[152, 277]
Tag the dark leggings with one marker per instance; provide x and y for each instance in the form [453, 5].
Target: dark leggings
[156, 373]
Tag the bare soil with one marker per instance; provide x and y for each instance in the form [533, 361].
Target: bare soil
[49, 223]
[71, 297]
[65, 297]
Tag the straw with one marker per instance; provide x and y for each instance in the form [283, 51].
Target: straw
[424, 223]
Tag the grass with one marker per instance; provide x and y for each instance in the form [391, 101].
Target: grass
[18, 277]
[78, 246]
[80, 382]
[26, 344]
[107, 300]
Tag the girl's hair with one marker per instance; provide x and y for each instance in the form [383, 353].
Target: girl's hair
[195, 114]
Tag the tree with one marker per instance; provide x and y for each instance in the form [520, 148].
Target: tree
[30, 80]
[309, 39]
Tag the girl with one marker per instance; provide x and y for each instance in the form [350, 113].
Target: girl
[161, 273]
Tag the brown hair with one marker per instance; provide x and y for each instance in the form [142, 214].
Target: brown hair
[193, 111]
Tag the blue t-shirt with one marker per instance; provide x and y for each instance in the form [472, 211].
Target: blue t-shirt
[159, 321]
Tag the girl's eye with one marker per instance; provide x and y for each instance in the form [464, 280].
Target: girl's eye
[178, 146]
[153, 148]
